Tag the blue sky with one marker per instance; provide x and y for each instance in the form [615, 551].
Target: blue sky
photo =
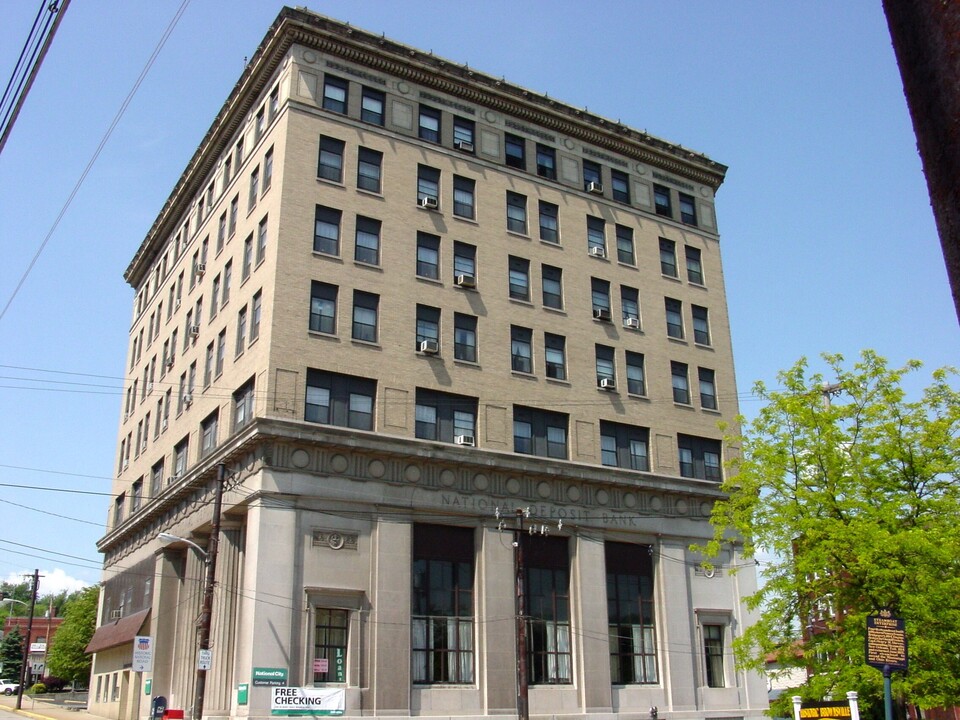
[828, 240]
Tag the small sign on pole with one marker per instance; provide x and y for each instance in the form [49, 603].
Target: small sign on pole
[142, 653]
[886, 642]
[204, 659]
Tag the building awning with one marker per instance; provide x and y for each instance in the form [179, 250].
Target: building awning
[118, 632]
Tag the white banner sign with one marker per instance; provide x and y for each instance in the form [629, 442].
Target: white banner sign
[307, 701]
[143, 653]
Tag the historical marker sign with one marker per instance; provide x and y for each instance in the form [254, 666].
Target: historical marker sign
[886, 641]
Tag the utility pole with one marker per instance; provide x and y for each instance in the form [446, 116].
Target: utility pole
[207, 611]
[523, 711]
[26, 641]
[829, 390]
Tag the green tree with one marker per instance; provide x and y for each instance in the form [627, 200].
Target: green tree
[854, 491]
[11, 654]
[67, 658]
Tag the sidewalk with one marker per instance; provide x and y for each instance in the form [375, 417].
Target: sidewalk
[46, 707]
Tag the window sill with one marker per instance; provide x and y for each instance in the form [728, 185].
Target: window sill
[466, 219]
[703, 346]
[683, 406]
[671, 278]
[333, 183]
[550, 243]
[521, 301]
[369, 266]
[631, 265]
[711, 411]
[371, 193]
[638, 396]
[558, 311]
[319, 334]
[329, 256]
[373, 344]
[467, 363]
[525, 236]
[558, 381]
[432, 281]
[678, 341]
[524, 375]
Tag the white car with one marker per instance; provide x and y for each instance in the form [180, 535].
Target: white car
[9, 687]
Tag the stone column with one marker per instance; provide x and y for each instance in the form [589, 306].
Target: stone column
[496, 620]
[220, 677]
[589, 582]
[390, 619]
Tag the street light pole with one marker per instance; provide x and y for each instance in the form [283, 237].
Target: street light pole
[206, 612]
[26, 642]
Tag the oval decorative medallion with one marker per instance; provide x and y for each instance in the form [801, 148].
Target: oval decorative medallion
[309, 57]
[513, 486]
[603, 497]
[630, 500]
[339, 463]
[544, 490]
[300, 458]
[481, 482]
[377, 469]
[573, 493]
[411, 473]
[681, 507]
[403, 88]
[656, 504]
[448, 478]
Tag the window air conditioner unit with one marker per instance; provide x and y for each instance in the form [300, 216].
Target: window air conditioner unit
[188, 399]
[595, 187]
[430, 203]
[201, 269]
[169, 362]
[194, 330]
[163, 424]
[608, 384]
[463, 145]
[598, 251]
[429, 347]
[601, 314]
[466, 281]
[176, 305]
[116, 614]
[464, 440]
[632, 323]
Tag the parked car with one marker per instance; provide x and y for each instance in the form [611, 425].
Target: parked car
[9, 687]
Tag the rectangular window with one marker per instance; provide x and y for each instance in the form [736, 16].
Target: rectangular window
[243, 405]
[694, 265]
[367, 249]
[546, 589]
[465, 337]
[326, 232]
[442, 617]
[674, 315]
[208, 434]
[549, 222]
[274, 103]
[215, 297]
[428, 186]
[624, 446]
[668, 257]
[661, 200]
[701, 325]
[636, 383]
[681, 383]
[521, 349]
[331, 628]
[600, 297]
[708, 389]
[540, 432]
[227, 173]
[688, 209]
[428, 327]
[713, 654]
[247, 264]
[625, 251]
[365, 310]
[221, 232]
[254, 189]
[335, 94]
[592, 177]
[323, 307]
[267, 170]
[259, 123]
[606, 370]
[241, 330]
[255, 315]
[546, 162]
[369, 164]
[262, 240]
[234, 212]
[630, 306]
[463, 134]
[341, 400]
[630, 614]
[596, 236]
[519, 276]
[221, 351]
[515, 153]
[371, 106]
[552, 284]
[464, 261]
[156, 479]
[464, 197]
[428, 256]
[180, 453]
[445, 417]
[699, 457]
[620, 184]
[330, 163]
[516, 213]
[429, 127]
[555, 356]
[208, 366]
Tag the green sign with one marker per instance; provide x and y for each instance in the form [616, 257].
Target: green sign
[243, 693]
[273, 677]
[147, 685]
[339, 665]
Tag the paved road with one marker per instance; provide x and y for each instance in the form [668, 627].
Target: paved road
[55, 706]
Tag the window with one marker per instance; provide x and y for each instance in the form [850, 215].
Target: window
[323, 307]
[688, 209]
[681, 385]
[262, 240]
[600, 296]
[445, 417]
[701, 325]
[274, 103]
[596, 235]
[549, 222]
[465, 337]
[713, 654]
[463, 196]
[592, 179]
[180, 451]
[630, 613]
[555, 356]
[234, 211]
[208, 366]
[428, 256]
[519, 274]
[428, 325]
[606, 371]
[546, 589]
[371, 106]
[255, 315]
[429, 124]
[215, 297]
[221, 231]
[661, 200]
[247, 264]
[181, 392]
[156, 479]
[254, 188]
[365, 308]
[335, 94]
[208, 433]
[227, 173]
[367, 249]
[552, 284]
[630, 306]
[694, 266]
[464, 260]
[463, 133]
[326, 232]
[625, 253]
[668, 257]
[620, 184]
[241, 330]
[330, 633]
[221, 351]
[342, 400]
[674, 312]
[515, 151]
[546, 162]
[516, 213]
[267, 170]
[442, 614]
[243, 405]
[521, 349]
[369, 163]
[330, 163]
[428, 185]
[624, 446]
[118, 508]
[636, 384]
[259, 123]
[699, 457]
[540, 432]
[708, 389]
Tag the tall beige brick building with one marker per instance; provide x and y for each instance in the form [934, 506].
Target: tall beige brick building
[399, 301]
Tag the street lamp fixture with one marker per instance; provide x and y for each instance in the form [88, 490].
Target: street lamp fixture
[166, 539]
